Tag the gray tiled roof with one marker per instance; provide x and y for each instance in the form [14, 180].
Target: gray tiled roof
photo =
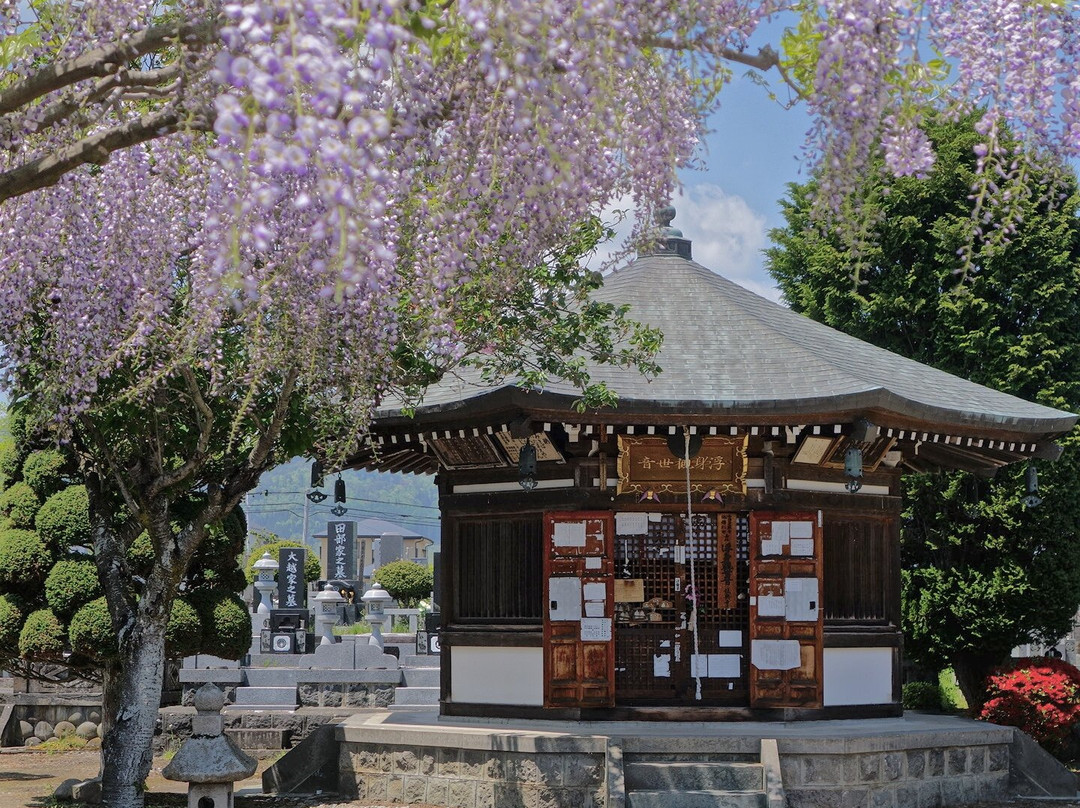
[730, 352]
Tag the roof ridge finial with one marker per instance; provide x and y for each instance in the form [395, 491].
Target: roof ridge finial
[669, 240]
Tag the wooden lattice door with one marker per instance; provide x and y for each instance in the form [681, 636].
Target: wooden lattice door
[786, 618]
[579, 660]
[656, 658]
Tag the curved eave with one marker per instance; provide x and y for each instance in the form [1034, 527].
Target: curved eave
[887, 406]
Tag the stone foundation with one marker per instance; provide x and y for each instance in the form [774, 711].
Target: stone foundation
[474, 778]
[930, 762]
[325, 694]
[174, 724]
[923, 770]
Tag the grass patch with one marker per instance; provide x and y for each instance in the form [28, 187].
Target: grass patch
[71, 743]
[951, 696]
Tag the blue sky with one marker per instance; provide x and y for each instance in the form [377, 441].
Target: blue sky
[753, 151]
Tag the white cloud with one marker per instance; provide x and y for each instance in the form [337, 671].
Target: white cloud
[728, 235]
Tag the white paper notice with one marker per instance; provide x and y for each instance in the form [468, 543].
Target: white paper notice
[771, 606]
[730, 639]
[661, 666]
[564, 598]
[725, 666]
[802, 547]
[801, 599]
[631, 524]
[569, 534]
[772, 547]
[594, 608]
[780, 532]
[594, 563]
[595, 629]
[656, 517]
[680, 554]
[775, 655]
[595, 591]
[802, 530]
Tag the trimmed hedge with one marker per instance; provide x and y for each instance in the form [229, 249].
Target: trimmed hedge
[91, 632]
[24, 561]
[64, 519]
[226, 624]
[42, 636]
[20, 504]
[183, 635]
[405, 581]
[10, 462]
[922, 696]
[70, 584]
[43, 471]
[312, 568]
[12, 613]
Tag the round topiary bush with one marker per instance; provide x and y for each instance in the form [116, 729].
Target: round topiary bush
[42, 636]
[43, 471]
[922, 696]
[10, 462]
[312, 568]
[140, 555]
[24, 561]
[405, 581]
[70, 584]
[91, 632]
[20, 504]
[64, 519]
[183, 635]
[12, 613]
[226, 624]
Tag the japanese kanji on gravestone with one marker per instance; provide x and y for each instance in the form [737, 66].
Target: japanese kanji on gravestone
[341, 549]
[292, 588]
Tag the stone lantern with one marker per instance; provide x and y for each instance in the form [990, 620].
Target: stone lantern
[326, 613]
[209, 761]
[375, 600]
[265, 571]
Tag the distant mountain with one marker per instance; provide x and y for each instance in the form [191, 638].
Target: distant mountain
[277, 503]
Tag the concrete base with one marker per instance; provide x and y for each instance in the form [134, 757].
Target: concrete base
[895, 762]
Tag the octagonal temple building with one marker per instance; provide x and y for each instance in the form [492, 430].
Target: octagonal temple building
[722, 544]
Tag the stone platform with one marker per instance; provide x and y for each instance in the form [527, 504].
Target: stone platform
[917, 760]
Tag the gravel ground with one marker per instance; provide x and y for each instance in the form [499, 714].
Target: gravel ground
[28, 779]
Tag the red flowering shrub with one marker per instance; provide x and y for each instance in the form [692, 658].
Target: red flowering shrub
[1040, 696]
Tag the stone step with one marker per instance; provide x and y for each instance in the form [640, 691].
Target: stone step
[420, 660]
[696, 799]
[416, 695]
[265, 698]
[421, 677]
[249, 738]
[656, 776]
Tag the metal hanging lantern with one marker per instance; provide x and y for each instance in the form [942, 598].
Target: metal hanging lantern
[1031, 483]
[339, 508]
[853, 469]
[527, 466]
[317, 474]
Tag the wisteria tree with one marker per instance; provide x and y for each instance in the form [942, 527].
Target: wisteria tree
[231, 229]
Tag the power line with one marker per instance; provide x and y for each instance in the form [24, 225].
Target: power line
[268, 493]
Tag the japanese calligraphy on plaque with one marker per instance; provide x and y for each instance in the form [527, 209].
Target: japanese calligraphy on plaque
[340, 550]
[292, 589]
[646, 464]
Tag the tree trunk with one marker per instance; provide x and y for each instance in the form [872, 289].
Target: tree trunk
[132, 696]
[971, 671]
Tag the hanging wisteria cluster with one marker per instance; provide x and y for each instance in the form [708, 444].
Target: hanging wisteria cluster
[314, 172]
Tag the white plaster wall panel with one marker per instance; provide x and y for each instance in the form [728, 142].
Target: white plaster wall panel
[497, 676]
[858, 676]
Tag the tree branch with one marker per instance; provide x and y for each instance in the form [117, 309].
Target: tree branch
[95, 149]
[148, 79]
[197, 457]
[103, 61]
